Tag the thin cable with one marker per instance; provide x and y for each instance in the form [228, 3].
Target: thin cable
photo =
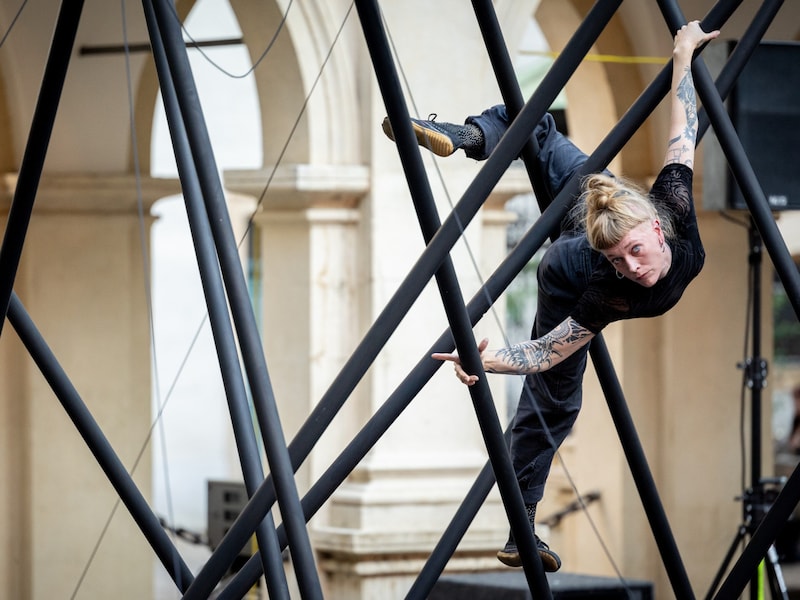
[503, 332]
[13, 22]
[218, 67]
[303, 107]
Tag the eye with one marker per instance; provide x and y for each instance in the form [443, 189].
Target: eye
[635, 250]
[615, 261]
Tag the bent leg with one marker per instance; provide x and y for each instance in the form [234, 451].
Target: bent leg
[559, 158]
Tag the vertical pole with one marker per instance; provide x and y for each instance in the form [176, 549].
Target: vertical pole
[757, 368]
[30, 170]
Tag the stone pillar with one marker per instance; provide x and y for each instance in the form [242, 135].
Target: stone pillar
[81, 279]
[305, 244]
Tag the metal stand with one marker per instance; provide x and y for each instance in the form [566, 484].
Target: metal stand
[758, 498]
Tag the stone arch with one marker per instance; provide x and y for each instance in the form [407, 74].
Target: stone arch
[290, 73]
[591, 110]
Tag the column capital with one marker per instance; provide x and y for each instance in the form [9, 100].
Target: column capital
[302, 186]
[91, 192]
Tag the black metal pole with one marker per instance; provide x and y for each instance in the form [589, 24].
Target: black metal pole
[451, 295]
[737, 60]
[504, 73]
[30, 170]
[757, 369]
[755, 375]
[755, 366]
[97, 443]
[225, 344]
[241, 308]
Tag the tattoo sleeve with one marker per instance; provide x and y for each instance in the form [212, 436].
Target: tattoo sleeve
[686, 96]
[545, 352]
[683, 145]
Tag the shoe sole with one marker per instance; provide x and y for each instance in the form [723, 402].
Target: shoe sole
[512, 559]
[438, 143]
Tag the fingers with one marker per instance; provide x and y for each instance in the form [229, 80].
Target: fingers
[693, 29]
[463, 377]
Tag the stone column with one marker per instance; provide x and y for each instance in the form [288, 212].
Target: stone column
[305, 242]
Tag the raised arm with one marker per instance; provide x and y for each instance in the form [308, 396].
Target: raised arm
[528, 357]
[683, 104]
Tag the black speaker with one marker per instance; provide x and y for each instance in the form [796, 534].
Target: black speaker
[764, 107]
[765, 110]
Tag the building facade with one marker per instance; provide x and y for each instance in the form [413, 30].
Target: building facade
[331, 234]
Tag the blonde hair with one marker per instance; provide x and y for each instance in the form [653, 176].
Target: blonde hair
[610, 207]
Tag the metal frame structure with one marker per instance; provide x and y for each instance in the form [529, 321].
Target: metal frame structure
[226, 293]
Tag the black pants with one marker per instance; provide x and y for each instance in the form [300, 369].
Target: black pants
[550, 401]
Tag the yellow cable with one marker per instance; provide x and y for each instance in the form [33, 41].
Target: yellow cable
[608, 58]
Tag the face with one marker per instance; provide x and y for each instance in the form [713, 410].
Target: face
[642, 255]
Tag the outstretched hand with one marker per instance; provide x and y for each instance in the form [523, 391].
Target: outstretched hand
[462, 375]
[691, 36]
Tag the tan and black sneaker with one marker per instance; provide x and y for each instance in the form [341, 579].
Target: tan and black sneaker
[509, 555]
[439, 137]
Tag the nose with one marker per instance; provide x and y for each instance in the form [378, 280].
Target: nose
[631, 264]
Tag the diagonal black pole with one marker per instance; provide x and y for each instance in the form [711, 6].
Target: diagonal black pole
[97, 443]
[506, 77]
[30, 170]
[637, 461]
[744, 48]
[233, 383]
[737, 60]
[241, 308]
[450, 291]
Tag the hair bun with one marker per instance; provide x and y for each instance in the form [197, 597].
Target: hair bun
[611, 208]
[600, 192]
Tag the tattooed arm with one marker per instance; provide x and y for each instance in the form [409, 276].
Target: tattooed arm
[528, 357]
[683, 104]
